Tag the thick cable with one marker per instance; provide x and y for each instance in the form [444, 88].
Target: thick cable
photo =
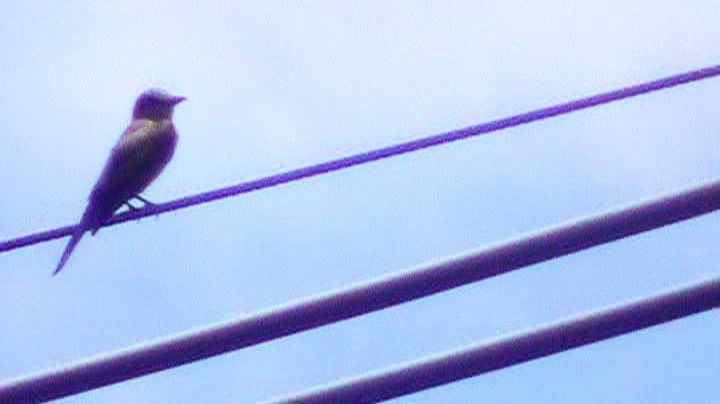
[362, 299]
[524, 347]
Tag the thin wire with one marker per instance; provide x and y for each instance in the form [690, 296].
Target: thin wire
[379, 154]
[362, 299]
[520, 348]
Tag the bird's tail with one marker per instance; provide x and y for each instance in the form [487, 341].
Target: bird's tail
[95, 214]
[74, 240]
[86, 223]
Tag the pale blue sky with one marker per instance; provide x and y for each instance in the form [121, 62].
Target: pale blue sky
[276, 85]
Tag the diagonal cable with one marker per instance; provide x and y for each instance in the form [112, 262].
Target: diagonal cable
[520, 348]
[362, 299]
[383, 153]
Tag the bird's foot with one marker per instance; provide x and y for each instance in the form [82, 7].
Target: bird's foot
[143, 200]
[131, 206]
[146, 202]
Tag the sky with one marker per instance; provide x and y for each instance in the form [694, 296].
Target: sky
[273, 86]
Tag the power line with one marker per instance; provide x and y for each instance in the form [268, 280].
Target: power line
[521, 348]
[362, 299]
[383, 153]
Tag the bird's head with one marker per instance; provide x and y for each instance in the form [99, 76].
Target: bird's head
[155, 104]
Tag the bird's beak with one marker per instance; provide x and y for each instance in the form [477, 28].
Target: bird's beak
[177, 100]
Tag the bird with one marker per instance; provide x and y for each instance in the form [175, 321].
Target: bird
[136, 160]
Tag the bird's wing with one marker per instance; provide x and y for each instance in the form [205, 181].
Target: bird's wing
[129, 155]
[134, 162]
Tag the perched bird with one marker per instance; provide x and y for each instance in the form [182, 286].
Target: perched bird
[144, 149]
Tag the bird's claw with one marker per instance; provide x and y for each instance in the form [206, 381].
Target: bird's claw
[131, 207]
[143, 200]
[147, 203]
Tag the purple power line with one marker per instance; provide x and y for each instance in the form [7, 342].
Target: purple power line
[358, 300]
[383, 153]
[521, 348]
